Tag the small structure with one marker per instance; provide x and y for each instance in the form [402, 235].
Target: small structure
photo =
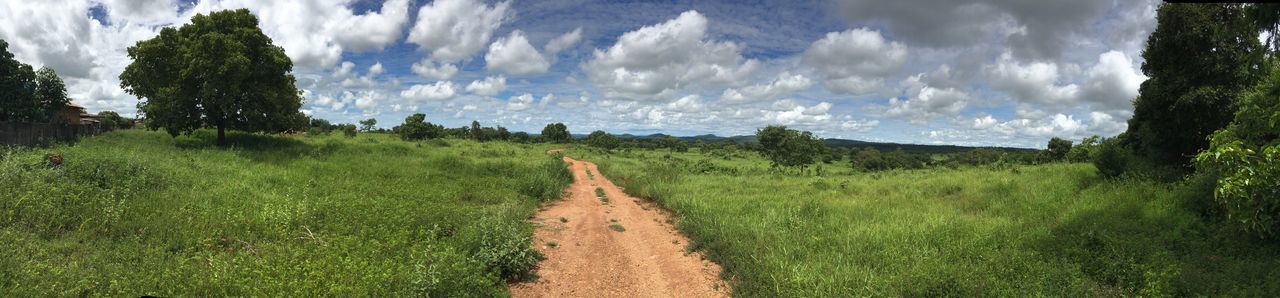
[70, 114]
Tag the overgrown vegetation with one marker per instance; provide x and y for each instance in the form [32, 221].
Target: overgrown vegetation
[135, 213]
[992, 230]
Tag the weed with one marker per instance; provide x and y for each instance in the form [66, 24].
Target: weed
[617, 227]
[604, 199]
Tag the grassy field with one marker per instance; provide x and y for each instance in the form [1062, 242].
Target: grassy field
[136, 213]
[1055, 230]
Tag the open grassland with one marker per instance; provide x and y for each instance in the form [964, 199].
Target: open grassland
[139, 213]
[1054, 229]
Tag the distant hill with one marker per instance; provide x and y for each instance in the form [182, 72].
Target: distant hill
[830, 142]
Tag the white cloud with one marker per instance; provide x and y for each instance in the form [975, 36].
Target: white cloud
[855, 61]
[562, 42]
[372, 31]
[655, 62]
[141, 11]
[513, 55]
[786, 83]
[927, 102]
[329, 27]
[428, 68]
[1112, 83]
[520, 102]
[490, 86]
[799, 114]
[439, 91]
[687, 104]
[1035, 82]
[456, 29]
[859, 125]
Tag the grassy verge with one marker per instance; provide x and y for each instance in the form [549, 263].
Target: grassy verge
[1017, 231]
[135, 213]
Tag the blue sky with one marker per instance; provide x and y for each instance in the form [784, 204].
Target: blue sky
[971, 72]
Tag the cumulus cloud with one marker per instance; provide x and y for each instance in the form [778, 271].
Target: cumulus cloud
[1031, 82]
[655, 62]
[514, 56]
[490, 86]
[855, 61]
[439, 91]
[926, 102]
[141, 11]
[562, 42]
[520, 102]
[428, 68]
[453, 30]
[330, 27]
[786, 83]
[799, 114]
[373, 31]
[1113, 82]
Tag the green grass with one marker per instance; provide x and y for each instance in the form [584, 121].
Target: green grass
[617, 227]
[1056, 230]
[604, 199]
[135, 213]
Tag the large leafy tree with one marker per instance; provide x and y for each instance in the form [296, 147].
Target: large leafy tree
[17, 88]
[556, 132]
[367, 125]
[1198, 60]
[603, 140]
[416, 127]
[789, 147]
[219, 71]
[1246, 157]
[51, 92]
[1058, 148]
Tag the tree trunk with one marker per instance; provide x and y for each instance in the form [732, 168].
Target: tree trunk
[222, 134]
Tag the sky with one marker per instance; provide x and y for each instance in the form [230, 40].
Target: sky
[965, 72]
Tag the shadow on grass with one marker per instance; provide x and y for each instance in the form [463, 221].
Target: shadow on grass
[1132, 250]
[257, 147]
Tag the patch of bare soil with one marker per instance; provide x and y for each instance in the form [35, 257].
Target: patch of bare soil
[622, 248]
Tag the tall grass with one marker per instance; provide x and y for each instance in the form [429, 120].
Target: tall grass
[1054, 229]
[135, 213]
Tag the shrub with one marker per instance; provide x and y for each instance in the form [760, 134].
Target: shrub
[416, 128]
[507, 251]
[1111, 158]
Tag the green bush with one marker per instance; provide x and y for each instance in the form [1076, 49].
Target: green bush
[1111, 158]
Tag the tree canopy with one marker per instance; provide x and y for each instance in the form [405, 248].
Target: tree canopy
[367, 124]
[556, 133]
[219, 71]
[51, 93]
[1058, 149]
[18, 101]
[603, 140]
[789, 147]
[1199, 59]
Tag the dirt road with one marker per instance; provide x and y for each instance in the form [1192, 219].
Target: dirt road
[623, 248]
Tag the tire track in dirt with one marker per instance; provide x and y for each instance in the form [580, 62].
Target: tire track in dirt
[587, 258]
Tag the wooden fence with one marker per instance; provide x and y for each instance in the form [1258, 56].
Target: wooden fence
[41, 134]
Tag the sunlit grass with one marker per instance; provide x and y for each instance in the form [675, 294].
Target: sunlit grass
[132, 214]
[1053, 229]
